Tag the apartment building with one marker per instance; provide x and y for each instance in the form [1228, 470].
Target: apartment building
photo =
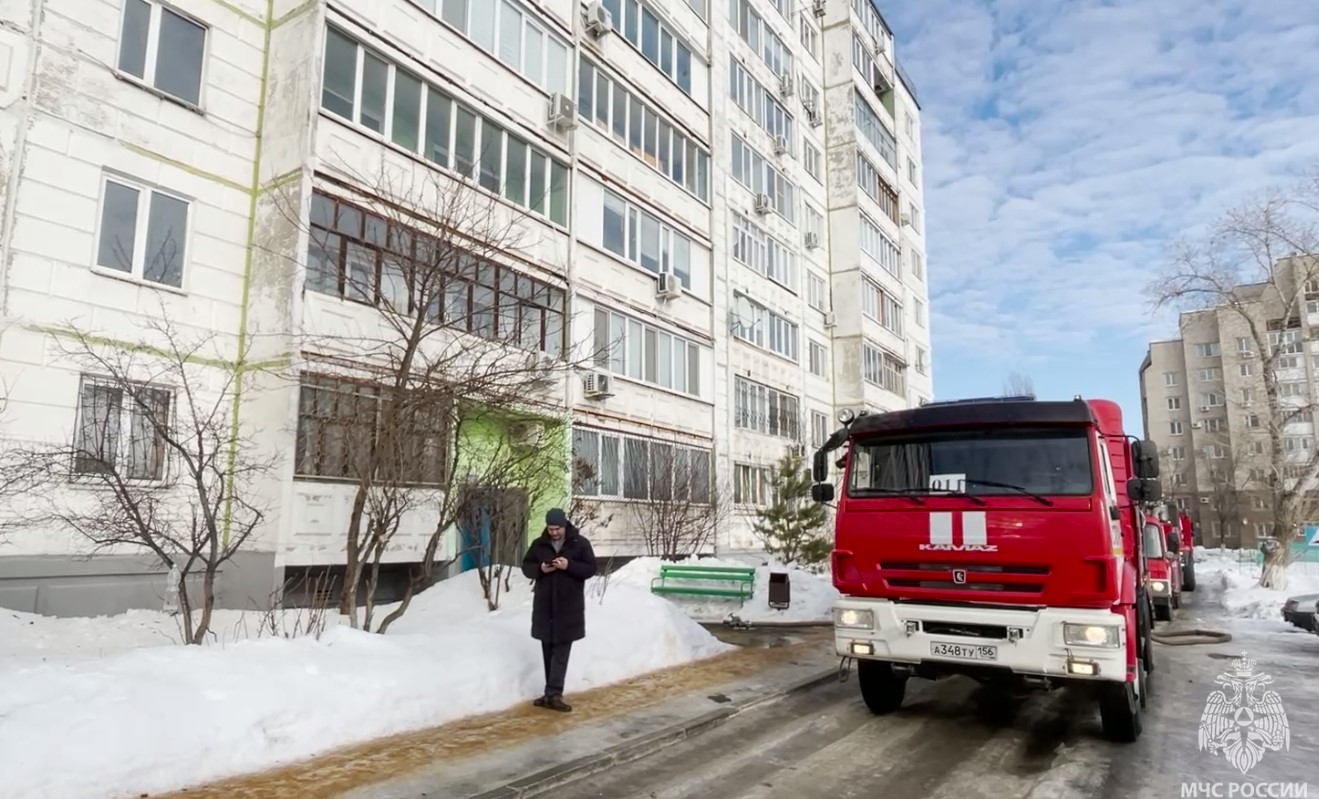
[1202, 403]
[718, 208]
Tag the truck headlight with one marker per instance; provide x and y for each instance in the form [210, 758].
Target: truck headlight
[1158, 586]
[854, 619]
[1092, 635]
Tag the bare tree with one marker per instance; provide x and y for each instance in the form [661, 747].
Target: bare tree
[590, 515]
[679, 506]
[1019, 385]
[156, 443]
[467, 350]
[1256, 269]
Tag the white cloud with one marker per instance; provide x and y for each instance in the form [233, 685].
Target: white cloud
[1066, 145]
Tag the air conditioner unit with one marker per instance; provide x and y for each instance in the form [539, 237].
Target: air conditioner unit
[668, 286]
[880, 81]
[762, 204]
[876, 46]
[785, 84]
[780, 145]
[598, 385]
[818, 8]
[1204, 500]
[830, 319]
[812, 114]
[526, 434]
[598, 21]
[1204, 409]
[812, 240]
[563, 112]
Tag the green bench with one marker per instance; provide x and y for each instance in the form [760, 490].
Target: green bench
[743, 579]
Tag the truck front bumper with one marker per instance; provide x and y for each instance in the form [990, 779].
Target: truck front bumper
[1060, 643]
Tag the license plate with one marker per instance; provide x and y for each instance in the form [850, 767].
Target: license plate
[963, 651]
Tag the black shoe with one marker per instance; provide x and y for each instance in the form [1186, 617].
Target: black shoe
[539, 701]
[557, 703]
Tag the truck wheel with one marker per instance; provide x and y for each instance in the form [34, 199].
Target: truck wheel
[1119, 707]
[1177, 600]
[1188, 575]
[881, 689]
[1145, 631]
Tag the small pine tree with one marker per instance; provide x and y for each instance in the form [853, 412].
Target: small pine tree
[791, 526]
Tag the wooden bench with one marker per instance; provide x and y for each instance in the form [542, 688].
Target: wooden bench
[743, 579]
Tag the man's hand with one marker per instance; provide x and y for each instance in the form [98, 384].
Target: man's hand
[546, 568]
[560, 563]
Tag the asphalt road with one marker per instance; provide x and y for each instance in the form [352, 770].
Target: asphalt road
[952, 740]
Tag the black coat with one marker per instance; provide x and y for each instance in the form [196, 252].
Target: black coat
[558, 613]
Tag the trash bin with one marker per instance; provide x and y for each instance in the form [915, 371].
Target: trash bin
[780, 595]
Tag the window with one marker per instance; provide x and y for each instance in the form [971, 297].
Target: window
[1174, 403]
[922, 361]
[909, 124]
[1292, 389]
[762, 252]
[359, 256]
[1252, 420]
[870, 19]
[920, 314]
[1214, 425]
[1247, 395]
[638, 127]
[911, 172]
[875, 131]
[819, 429]
[1244, 345]
[1177, 453]
[1209, 375]
[764, 328]
[811, 158]
[163, 49]
[915, 217]
[339, 422]
[810, 95]
[918, 265]
[1207, 349]
[143, 232]
[1211, 399]
[761, 409]
[810, 37]
[883, 369]
[817, 292]
[635, 235]
[1170, 378]
[760, 37]
[759, 103]
[1287, 362]
[752, 485]
[640, 468]
[109, 409]
[880, 247]
[510, 33]
[1287, 342]
[449, 135]
[1175, 428]
[753, 171]
[630, 348]
[813, 221]
[878, 304]
[818, 359]
[876, 188]
[660, 44]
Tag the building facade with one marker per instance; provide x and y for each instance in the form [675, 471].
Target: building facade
[1203, 403]
[713, 207]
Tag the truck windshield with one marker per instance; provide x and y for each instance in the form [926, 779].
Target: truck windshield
[1153, 541]
[1047, 462]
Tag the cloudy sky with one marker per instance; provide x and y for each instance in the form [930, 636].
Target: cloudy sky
[1067, 144]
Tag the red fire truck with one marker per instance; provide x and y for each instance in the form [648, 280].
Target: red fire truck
[1187, 528]
[1162, 562]
[993, 538]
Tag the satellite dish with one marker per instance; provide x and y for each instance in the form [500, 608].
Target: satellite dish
[742, 308]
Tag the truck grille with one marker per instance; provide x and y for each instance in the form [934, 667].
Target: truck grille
[1017, 579]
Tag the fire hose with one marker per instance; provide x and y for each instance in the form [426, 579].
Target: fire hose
[1190, 637]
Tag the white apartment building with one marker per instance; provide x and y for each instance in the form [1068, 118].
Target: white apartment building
[722, 198]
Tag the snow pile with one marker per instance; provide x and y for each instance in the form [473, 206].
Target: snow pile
[136, 715]
[812, 596]
[1231, 577]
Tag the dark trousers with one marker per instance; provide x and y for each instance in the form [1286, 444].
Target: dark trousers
[556, 665]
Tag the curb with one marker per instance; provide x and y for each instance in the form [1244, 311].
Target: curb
[645, 745]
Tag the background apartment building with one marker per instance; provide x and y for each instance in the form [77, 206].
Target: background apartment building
[720, 201]
[1202, 402]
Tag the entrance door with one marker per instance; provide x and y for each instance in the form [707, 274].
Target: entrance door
[492, 527]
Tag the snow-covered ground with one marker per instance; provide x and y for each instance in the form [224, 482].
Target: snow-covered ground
[811, 595]
[109, 707]
[1231, 578]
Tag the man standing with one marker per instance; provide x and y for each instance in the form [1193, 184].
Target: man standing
[560, 561]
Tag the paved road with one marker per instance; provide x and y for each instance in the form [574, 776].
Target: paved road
[952, 741]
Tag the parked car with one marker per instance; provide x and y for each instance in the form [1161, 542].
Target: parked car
[1300, 609]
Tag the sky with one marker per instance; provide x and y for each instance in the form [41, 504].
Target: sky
[1067, 145]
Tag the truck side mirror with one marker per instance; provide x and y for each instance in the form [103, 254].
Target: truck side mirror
[1143, 490]
[822, 492]
[1174, 542]
[1146, 459]
[820, 466]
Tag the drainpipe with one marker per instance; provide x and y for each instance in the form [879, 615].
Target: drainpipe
[17, 159]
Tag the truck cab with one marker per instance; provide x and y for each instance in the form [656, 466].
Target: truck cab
[991, 538]
[1164, 581]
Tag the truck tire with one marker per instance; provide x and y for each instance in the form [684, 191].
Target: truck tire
[1145, 630]
[1188, 574]
[1177, 600]
[882, 690]
[1120, 706]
